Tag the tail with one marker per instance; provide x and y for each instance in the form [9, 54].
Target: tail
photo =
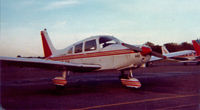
[196, 45]
[164, 50]
[47, 44]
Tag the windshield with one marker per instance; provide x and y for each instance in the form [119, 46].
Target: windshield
[105, 41]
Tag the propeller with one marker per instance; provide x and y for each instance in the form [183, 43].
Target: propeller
[144, 50]
[132, 47]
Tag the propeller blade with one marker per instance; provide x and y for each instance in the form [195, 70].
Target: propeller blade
[158, 55]
[135, 48]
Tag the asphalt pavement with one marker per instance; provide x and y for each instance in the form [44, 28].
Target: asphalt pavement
[165, 86]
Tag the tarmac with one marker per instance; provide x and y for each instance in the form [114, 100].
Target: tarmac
[165, 86]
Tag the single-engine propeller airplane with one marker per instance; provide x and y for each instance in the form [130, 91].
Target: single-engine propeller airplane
[95, 53]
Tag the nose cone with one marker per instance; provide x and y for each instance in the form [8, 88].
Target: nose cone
[145, 50]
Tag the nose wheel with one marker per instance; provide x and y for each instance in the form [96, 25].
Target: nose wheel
[129, 81]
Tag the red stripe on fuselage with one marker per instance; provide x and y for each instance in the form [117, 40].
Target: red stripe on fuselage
[93, 54]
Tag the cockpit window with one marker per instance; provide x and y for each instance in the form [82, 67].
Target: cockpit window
[106, 41]
[78, 48]
[90, 45]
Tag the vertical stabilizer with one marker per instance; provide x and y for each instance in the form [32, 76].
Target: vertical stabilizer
[164, 50]
[47, 44]
[196, 46]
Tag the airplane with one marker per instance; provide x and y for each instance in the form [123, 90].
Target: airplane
[185, 56]
[96, 53]
[196, 45]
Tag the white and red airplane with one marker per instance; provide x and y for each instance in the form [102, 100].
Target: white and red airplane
[196, 45]
[95, 53]
[185, 56]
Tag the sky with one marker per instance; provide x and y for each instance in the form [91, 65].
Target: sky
[68, 21]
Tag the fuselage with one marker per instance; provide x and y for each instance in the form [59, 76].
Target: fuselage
[189, 54]
[105, 51]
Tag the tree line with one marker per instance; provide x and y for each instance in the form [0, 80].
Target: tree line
[171, 47]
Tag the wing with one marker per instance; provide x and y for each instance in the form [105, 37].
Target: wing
[174, 56]
[179, 58]
[154, 58]
[175, 59]
[42, 63]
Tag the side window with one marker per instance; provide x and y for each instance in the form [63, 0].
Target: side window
[78, 48]
[90, 45]
[70, 51]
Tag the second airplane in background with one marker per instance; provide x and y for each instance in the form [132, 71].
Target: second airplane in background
[185, 56]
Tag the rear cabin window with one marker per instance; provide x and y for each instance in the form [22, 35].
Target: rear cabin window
[90, 45]
[78, 48]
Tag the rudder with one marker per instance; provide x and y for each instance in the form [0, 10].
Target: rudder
[196, 47]
[48, 47]
[164, 50]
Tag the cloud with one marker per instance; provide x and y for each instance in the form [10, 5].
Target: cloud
[60, 4]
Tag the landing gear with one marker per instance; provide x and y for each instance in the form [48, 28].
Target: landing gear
[149, 64]
[128, 80]
[60, 81]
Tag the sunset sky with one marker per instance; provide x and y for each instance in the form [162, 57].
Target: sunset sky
[68, 21]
